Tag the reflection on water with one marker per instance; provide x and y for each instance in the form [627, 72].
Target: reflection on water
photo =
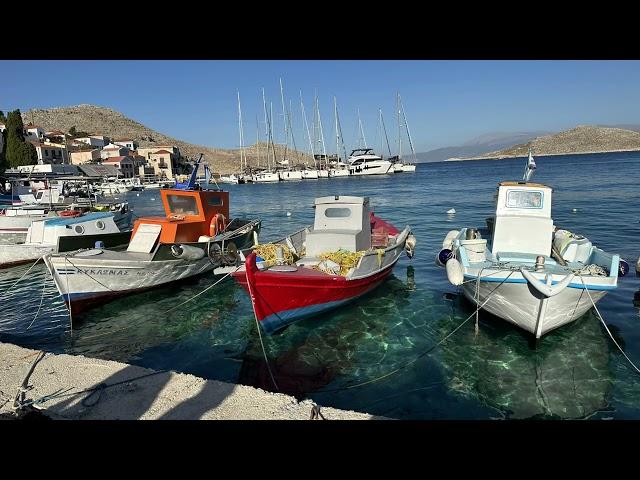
[566, 375]
[370, 355]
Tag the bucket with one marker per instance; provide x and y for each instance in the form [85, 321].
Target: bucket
[476, 249]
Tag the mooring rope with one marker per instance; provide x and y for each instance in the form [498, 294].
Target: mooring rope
[426, 352]
[23, 275]
[605, 325]
[44, 284]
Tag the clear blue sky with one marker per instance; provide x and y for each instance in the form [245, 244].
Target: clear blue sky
[446, 102]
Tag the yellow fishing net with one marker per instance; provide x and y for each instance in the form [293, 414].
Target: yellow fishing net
[347, 260]
[268, 252]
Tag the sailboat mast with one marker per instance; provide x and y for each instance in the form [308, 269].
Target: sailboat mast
[266, 128]
[306, 124]
[384, 128]
[271, 128]
[324, 150]
[399, 128]
[284, 123]
[335, 113]
[242, 159]
[361, 132]
[344, 149]
[257, 141]
[406, 124]
[293, 138]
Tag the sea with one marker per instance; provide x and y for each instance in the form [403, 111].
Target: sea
[380, 354]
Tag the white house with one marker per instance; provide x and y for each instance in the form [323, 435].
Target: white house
[125, 142]
[113, 150]
[99, 141]
[33, 132]
[3, 127]
[50, 152]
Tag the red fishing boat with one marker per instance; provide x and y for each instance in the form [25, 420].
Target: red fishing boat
[346, 253]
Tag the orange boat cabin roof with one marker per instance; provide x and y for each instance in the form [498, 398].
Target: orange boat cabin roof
[188, 214]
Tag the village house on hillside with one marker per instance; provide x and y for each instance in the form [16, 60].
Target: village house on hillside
[163, 159]
[99, 141]
[84, 155]
[50, 152]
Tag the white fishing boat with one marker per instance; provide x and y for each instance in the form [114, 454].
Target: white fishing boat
[362, 161]
[265, 177]
[232, 178]
[61, 234]
[193, 237]
[524, 269]
[113, 186]
[15, 221]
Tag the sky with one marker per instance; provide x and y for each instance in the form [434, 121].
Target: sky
[446, 103]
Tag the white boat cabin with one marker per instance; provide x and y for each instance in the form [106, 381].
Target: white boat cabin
[341, 222]
[49, 230]
[523, 222]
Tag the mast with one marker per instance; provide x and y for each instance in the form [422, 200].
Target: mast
[385, 132]
[399, 128]
[362, 137]
[293, 138]
[324, 150]
[335, 113]
[284, 123]
[266, 128]
[306, 124]
[273, 145]
[344, 149]
[406, 124]
[241, 134]
[257, 142]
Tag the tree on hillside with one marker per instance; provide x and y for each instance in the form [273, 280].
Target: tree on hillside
[3, 119]
[72, 131]
[77, 134]
[3, 160]
[17, 151]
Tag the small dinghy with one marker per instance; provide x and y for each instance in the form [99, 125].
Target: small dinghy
[192, 238]
[347, 253]
[524, 269]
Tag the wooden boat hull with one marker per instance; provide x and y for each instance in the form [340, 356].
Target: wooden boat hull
[281, 298]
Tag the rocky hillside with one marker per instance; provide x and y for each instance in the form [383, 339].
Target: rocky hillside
[582, 139]
[105, 121]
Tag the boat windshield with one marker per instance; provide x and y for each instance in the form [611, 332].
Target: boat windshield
[182, 205]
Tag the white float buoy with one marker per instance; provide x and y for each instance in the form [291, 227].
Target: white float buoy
[574, 210]
[288, 214]
[137, 194]
[451, 211]
[152, 199]
[455, 272]
[448, 240]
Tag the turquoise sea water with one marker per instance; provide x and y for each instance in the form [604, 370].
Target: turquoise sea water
[574, 372]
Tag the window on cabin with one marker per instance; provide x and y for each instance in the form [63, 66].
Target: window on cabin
[182, 205]
[524, 199]
[337, 212]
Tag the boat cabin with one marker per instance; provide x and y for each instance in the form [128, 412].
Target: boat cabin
[189, 215]
[523, 222]
[48, 231]
[341, 222]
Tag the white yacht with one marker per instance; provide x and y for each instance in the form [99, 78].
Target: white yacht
[363, 161]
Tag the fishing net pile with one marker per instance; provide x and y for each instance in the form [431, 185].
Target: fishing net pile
[344, 259]
[267, 251]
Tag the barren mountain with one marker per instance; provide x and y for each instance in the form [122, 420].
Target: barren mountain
[582, 139]
[105, 121]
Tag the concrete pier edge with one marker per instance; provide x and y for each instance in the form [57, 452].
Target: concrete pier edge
[140, 393]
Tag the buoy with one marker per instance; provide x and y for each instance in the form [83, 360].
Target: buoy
[152, 199]
[443, 257]
[448, 240]
[574, 210]
[451, 211]
[623, 268]
[455, 272]
[137, 194]
[288, 214]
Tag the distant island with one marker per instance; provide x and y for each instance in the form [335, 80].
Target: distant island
[583, 139]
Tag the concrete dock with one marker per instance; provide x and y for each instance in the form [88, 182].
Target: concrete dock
[139, 393]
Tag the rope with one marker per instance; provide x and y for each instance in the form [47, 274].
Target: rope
[162, 313]
[255, 316]
[429, 350]
[477, 299]
[68, 296]
[23, 275]
[605, 326]
[19, 402]
[44, 284]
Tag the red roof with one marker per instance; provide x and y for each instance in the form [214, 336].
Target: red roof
[162, 151]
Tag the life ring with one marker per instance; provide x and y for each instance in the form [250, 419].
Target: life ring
[70, 213]
[217, 224]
